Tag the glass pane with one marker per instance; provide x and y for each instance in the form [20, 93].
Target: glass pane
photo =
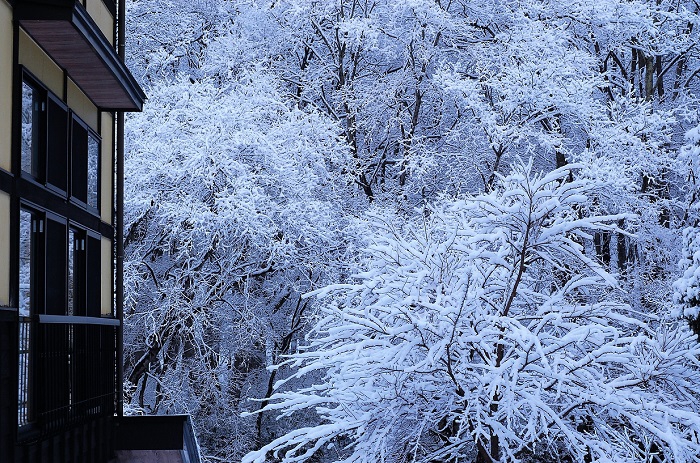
[76, 272]
[93, 169]
[93, 278]
[57, 149]
[79, 161]
[71, 271]
[56, 261]
[31, 113]
[25, 263]
[25, 302]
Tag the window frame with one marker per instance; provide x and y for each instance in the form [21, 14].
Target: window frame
[51, 100]
[29, 80]
[90, 133]
[43, 179]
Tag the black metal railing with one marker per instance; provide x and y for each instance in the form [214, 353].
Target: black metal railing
[24, 411]
[71, 370]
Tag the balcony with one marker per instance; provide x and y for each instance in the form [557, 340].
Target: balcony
[67, 33]
[67, 372]
[155, 439]
[67, 395]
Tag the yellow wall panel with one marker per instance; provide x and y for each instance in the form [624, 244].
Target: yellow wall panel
[107, 159]
[102, 17]
[5, 85]
[107, 279]
[4, 250]
[81, 105]
[39, 64]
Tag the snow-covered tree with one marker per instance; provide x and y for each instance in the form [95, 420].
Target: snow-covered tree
[235, 208]
[368, 65]
[270, 124]
[485, 331]
[687, 287]
[606, 84]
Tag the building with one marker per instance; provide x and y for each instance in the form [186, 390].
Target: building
[63, 91]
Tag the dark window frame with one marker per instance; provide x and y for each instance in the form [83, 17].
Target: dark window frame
[77, 123]
[98, 172]
[53, 185]
[33, 83]
[52, 154]
[50, 265]
[86, 278]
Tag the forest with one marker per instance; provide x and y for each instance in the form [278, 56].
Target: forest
[417, 231]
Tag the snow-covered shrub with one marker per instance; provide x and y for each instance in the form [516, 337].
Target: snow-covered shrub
[485, 331]
[687, 287]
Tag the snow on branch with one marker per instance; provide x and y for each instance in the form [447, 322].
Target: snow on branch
[486, 331]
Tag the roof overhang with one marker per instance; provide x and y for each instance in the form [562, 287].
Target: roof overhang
[67, 33]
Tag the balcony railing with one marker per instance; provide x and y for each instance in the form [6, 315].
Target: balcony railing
[67, 371]
[141, 438]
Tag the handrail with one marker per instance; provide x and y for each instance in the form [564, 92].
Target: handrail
[77, 320]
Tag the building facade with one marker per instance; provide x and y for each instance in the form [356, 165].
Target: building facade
[63, 89]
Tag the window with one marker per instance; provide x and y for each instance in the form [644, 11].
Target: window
[44, 139]
[32, 109]
[93, 280]
[85, 153]
[60, 266]
[57, 145]
[56, 256]
[79, 144]
[93, 166]
[83, 273]
[26, 246]
[58, 150]
[59, 253]
[76, 250]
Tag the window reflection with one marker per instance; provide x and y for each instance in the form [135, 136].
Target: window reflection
[31, 113]
[25, 263]
[93, 166]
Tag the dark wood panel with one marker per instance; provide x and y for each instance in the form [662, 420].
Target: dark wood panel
[70, 50]
[156, 432]
[70, 36]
